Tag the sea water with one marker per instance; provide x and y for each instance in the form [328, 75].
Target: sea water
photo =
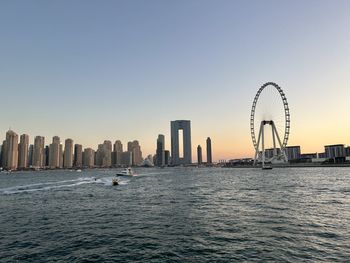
[176, 215]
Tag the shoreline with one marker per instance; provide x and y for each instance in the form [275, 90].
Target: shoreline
[293, 166]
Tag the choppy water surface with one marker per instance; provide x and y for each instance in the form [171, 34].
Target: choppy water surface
[176, 214]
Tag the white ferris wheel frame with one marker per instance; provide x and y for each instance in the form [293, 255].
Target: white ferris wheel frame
[256, 142]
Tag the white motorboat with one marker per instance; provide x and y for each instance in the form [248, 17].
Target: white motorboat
[126, 172]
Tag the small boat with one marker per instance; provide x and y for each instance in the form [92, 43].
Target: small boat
[267, 167]
[115, 181]
[126, 172]
[78, 170]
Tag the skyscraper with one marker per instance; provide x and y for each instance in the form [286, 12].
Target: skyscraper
[184, 157]
[160, 150]
[135, 148]
[23, 151]
[0, 155]
[126, 158]
[107, 154]
[89, 157]
[68, 153]
[39, 152]
[78, 155]
[3, 154]
[166, 158]
[55, 153]
[61, 156]
[209, 154]
[199, 155]
[99, 155]
[104, 154]
[117, 152]
[11, 150]
[47, 155]
[30, 155]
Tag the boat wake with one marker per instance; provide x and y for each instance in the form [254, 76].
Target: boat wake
[108, 181]
[155, 173]
[59, 184]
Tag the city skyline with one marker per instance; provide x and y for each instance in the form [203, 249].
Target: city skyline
[99, 74]
[68, 154]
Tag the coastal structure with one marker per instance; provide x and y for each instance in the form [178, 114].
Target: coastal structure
[30, 155]
[78, 156]
[117, 153]
[167, 158]
[258, 118]
[135, 149]
[10, 157]
[89, 158]
[55, 154]
[199, 155]
[184, 156]
[126, 158]
[104, 154]
[335, 152]
[46, 158]
[209, 152]
[160, 153]
[68, 153]
[23, 148]
[293, 152]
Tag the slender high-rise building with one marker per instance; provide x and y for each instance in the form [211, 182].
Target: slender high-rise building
[209, 156]
[184, 156]
[107, 154]
[166, 158]
[23, 151]
[47, 156]
[89, 158]
[68, 153]
[39, 152]
[30, 155]
[3, 154]
[160, 153]
[199, 155]
[117, 153]
[99, 155]
[0, 155]
[61, 156]
[11, 150]
[78, 155]
[55, 153]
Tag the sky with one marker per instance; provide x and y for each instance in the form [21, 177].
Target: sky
[97, 70]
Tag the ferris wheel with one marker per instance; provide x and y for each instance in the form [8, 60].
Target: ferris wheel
[270, 108]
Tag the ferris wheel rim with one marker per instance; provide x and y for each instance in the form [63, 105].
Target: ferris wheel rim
[286, 114]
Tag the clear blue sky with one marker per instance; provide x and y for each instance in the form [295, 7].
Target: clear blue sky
[96, 70]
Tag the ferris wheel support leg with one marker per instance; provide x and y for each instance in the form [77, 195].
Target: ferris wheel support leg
[274, 142]
[262, 145]
[257, 147]
[279, 141]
